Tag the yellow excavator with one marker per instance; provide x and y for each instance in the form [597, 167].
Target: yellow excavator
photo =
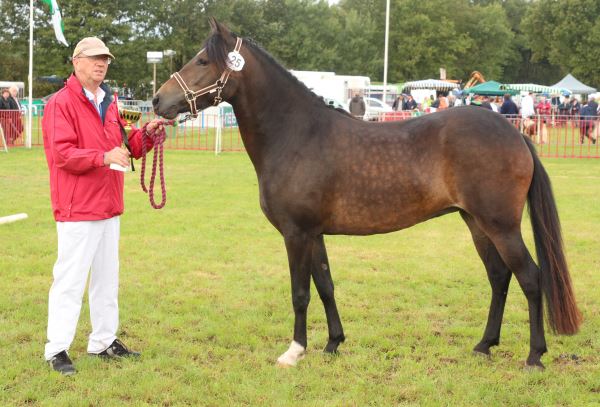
[476, 77]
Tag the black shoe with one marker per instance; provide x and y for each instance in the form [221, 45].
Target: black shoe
[117, 350]
[62, 364]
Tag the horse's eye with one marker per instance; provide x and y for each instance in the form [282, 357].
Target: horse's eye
[202, 61]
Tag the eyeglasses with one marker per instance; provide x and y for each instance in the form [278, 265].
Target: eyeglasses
[97, 58]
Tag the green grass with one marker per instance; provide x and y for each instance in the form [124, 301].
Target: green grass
[205, 294]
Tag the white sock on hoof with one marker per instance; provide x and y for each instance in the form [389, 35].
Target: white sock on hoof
[295, 353]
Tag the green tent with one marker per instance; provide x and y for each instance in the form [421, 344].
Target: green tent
[490, 88]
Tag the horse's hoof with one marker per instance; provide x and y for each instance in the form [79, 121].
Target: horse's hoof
[331, 348]
[480, 354]
[534, 367]
[283, 365]
[292, 356]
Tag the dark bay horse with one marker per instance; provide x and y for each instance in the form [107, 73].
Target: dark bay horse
[321, 172]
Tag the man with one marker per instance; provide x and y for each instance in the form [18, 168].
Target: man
[82, 137]
[527, 109]
[357, 106]
[398, 103]
[13, 99]
[509, 107]
[589, 114]
[563, 111]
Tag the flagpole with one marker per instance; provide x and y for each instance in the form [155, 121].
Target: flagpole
[30, 76]
[385, 52]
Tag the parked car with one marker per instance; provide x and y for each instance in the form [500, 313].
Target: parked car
[373, 107]
[335, 104]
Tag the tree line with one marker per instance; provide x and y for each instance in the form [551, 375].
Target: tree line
[511, 41]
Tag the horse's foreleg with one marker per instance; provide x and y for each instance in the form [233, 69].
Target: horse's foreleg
[499, 276]
[322, 277]
[299, 249]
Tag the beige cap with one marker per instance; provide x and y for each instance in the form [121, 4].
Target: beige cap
[91, 46]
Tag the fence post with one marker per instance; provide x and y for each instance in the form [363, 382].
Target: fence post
[218, 135]
[3, 138]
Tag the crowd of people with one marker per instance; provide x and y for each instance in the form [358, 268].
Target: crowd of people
[10, 114]
[533, 113]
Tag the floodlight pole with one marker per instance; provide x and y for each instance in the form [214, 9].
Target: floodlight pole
[154, 57]
[154, 80]
[385, 52]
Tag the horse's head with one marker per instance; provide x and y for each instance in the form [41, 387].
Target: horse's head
[206, 79]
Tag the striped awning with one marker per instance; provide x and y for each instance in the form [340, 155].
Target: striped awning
[532, 87]
[430, 84]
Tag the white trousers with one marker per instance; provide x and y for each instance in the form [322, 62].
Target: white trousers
[81, 246]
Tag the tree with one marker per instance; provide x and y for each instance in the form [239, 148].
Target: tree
[567, 34]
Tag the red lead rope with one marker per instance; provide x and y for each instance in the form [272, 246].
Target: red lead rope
[158, 139]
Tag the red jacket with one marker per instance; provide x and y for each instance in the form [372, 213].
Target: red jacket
[544, 108]
[75, 140]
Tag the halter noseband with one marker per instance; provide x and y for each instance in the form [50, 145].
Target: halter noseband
[191, 96]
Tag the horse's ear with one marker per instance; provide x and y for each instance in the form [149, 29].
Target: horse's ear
[214, 25]
[218, 28]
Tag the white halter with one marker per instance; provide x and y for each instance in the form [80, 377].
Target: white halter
[190, 95]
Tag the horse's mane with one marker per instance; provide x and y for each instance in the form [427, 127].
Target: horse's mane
[217, 50]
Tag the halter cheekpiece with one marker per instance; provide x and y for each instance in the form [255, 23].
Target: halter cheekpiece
[191, 96]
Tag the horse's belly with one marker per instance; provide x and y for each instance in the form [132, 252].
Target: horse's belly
[364, 218]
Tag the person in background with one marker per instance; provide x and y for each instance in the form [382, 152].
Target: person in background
[509, 108]
[12, 122]
[398, 103]
[588, 117]
[14, 98]
[574, 111]
[5, 116]
[4, 103]
[82, 138]
[485, 103]
[357, 106]
[543, 110]
[563, 111]
[527, 107]
[409, 103]
[443, 102]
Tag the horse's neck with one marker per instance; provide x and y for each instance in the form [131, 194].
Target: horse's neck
[265, 104]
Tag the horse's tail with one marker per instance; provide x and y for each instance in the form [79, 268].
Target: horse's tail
[563, 315]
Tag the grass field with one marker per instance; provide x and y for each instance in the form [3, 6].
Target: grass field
[205, 295]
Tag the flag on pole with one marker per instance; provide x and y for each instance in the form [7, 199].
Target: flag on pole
[56, 21]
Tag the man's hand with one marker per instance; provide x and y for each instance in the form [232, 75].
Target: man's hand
[117, 155]
[156, 130]
[155, 124]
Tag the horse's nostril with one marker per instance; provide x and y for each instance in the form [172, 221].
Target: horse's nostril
[155, 101]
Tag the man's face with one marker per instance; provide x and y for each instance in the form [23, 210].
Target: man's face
[91, 69]
[13, 92]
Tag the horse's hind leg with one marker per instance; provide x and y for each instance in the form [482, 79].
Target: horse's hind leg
[499, 276]
[322, 277]
[515, 255]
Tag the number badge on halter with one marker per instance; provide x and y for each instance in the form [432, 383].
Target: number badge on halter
[235, 61]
